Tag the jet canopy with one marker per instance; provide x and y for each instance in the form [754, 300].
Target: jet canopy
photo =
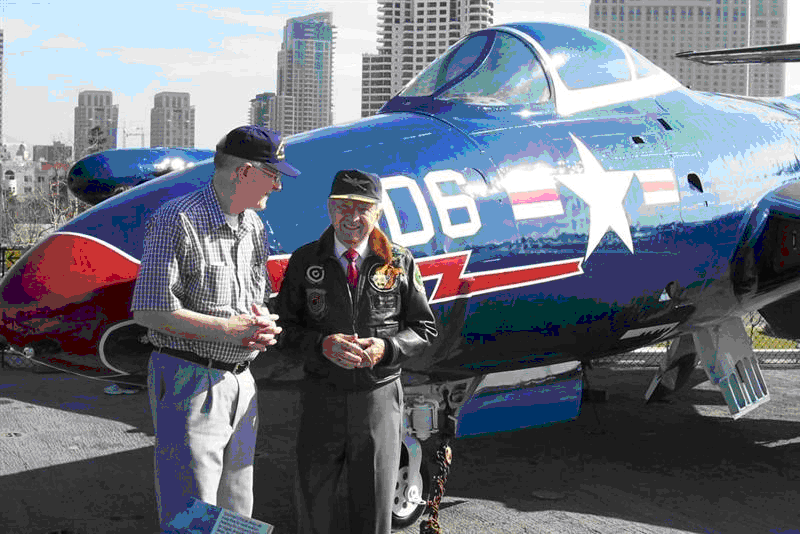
[533, 63]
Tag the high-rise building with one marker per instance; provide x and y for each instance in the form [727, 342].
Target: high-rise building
[660, 28]
[56, 153]
[96, 120]
[305, 74]
[767, 26]
[411, 34]
[172, 120]
[2, 70]
[263, 110]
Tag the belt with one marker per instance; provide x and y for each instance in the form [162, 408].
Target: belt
[234, 368]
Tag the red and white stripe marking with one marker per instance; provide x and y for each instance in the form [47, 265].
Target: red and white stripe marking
[659, 186]
[533, 196]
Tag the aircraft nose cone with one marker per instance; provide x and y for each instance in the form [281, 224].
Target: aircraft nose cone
[76, 178]
[57, 289]
[90, 179]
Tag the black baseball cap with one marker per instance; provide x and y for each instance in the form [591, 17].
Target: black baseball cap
[357, 185]
[255, 143]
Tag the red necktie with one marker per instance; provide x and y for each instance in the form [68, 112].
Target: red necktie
[352, 270]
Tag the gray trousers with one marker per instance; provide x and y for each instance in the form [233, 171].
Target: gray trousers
[361, 430]
[206, 422]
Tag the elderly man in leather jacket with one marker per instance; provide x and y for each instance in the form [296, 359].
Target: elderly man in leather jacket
[353, 307]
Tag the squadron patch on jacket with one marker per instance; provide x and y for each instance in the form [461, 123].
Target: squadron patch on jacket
[315, 274]
[384, 277]
[316, 303]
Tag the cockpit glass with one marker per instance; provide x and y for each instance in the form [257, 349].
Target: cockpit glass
[584, 59]
[643, 66]
[510, 74]
[446, 67]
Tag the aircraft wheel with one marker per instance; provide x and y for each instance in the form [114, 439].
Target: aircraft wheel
[406, 508]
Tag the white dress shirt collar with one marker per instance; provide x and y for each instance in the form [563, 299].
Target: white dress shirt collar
[340, 248]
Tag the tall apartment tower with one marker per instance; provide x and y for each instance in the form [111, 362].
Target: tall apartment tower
[263, 110]
[411, 34]
[305, 74]
[2, 70]
[96, 119]
[172, 120]
[767, 26]
[660, 28]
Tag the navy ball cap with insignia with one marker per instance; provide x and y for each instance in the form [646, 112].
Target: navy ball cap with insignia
[355, 184]
[258, 144]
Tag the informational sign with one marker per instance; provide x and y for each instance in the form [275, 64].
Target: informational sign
[203, 518]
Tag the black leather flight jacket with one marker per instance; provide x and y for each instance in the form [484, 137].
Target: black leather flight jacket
[315, 301]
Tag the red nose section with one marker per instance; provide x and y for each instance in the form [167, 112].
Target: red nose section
[69, 289]
[66, 290]
[64, 268]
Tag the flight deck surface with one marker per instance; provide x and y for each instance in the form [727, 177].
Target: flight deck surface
[75, 460]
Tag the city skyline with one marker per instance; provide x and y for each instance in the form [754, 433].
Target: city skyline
[222, 55]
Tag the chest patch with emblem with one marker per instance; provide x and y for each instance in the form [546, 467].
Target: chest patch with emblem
[316, 303]
[384, 277]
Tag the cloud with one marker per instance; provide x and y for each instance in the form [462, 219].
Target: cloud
[356, 40]
[234, 15]
[62, 41]
[14, 29]
[250, 55]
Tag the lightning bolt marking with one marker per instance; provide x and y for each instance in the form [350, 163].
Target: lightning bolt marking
[453, 283]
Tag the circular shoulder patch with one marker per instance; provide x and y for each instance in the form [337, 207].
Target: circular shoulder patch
[418, 280]
[315, 274]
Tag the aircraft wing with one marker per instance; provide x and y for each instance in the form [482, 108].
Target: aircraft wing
[782, 53]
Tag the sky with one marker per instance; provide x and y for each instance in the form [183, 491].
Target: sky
[222, 53]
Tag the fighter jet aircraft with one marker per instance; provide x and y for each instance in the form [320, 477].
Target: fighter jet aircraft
[565, 198]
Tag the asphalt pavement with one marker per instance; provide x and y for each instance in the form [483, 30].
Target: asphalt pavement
[76, 461]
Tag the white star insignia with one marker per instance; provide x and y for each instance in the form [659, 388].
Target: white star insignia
[604, 192]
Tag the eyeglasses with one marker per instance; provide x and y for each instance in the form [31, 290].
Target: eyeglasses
[275, 175]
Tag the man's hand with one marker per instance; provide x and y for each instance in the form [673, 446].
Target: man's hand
[344, 351]
[256, 331]
[375, 348]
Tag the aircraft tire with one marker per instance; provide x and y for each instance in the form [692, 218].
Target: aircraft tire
[404, 513]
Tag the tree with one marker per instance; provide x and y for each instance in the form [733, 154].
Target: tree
[6, 217]
[25, 220]
[97, 140]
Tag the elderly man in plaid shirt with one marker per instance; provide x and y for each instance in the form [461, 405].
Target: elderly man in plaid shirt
[201, 293]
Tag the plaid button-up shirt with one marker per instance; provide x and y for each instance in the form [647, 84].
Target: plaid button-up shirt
[194, 260]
